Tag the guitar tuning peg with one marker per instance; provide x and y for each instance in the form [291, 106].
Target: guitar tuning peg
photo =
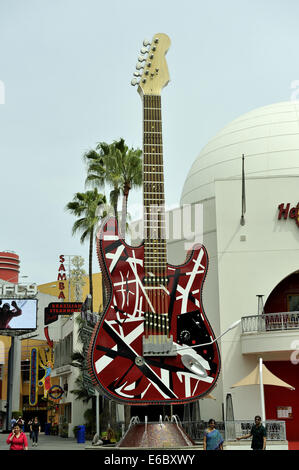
[137, 74]
[141, 58]
[143, 50]
[146, 42]
[139, 66]
[134, 82]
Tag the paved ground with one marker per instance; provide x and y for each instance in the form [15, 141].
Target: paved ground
[48, 443]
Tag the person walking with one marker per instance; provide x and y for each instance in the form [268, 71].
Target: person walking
[35, 430]
[258, 434]
[21, 423]
[29, 426]
[17, 439]
[12, 423]
[212, 439]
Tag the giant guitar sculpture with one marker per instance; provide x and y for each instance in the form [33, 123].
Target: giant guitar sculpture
[144, 348]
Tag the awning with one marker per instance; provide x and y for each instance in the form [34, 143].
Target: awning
[268, 379]
[209, 396]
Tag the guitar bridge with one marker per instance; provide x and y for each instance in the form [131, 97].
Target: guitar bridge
[158, 345]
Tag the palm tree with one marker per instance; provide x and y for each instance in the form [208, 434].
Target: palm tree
[120, 167]
[85, 206]
[130, 163]
[100, 172]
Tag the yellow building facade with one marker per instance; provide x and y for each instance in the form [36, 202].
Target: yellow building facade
[46, 410]
[53, 288]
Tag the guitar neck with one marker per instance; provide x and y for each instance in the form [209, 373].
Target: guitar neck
[155, 260]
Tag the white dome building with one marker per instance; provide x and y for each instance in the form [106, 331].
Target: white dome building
[269, 138]
[260, 257]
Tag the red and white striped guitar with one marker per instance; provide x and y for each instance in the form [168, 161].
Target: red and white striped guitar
[144, 348]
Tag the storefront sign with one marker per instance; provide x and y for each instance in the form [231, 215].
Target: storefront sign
[61, 278]
[55, 392]
[18, 290]
[56, 309]
[286, 211]
[33, 387]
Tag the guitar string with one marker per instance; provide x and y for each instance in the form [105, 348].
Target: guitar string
[147, 325]
[161, 213]
[154, 222]
[155, 157]
[161, 225]
[158, 188]
[158, 218]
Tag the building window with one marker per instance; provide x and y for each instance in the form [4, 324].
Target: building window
[293, 303]
[68, 412]
[25, 368]
[63, 351]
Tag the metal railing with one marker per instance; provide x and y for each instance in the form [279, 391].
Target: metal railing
[195, 429]
[276, 430]
[230, 430]
[270, 322]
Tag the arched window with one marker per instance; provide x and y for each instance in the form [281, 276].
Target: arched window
[285, 296]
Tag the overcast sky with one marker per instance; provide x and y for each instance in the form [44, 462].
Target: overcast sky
[66, 66]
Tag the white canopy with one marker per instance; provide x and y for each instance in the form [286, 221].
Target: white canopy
[268, 379]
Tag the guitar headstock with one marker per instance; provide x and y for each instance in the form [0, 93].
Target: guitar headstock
[152, 71]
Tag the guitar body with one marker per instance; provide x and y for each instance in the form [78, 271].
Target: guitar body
[117, 364]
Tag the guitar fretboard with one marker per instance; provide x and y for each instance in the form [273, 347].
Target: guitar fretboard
[155, 261]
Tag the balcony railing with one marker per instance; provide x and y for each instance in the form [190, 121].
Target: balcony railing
[230, 430]
[271, 322]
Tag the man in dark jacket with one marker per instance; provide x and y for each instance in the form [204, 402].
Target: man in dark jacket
[258, 434]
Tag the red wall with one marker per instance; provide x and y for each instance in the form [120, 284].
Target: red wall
[280, 396]
[278, 299]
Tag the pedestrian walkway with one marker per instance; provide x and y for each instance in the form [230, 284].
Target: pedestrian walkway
[48, 443]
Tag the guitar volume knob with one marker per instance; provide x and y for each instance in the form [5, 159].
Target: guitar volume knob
[185, 335]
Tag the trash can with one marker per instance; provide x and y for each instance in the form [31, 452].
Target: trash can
[47, 429]
[81, 434]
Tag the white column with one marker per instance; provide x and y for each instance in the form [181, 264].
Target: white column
[262, 391]
[16, 375]
[97, 413]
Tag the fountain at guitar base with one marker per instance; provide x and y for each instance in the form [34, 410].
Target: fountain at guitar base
[167, 434]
